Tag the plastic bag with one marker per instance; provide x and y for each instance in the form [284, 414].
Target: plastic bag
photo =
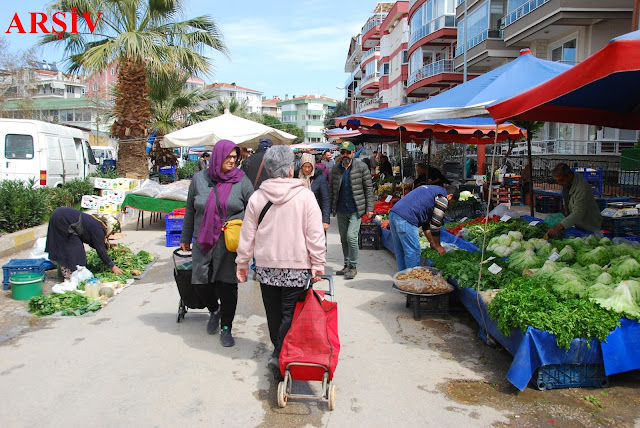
[81, 274]
[554, 218]
[37, 251]
[422, 280]
[148, 188]
[177, 191]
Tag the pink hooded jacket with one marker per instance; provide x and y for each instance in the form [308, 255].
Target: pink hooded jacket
[291, 233]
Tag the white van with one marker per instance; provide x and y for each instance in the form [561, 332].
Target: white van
[51, 154]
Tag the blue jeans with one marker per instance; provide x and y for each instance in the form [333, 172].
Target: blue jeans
[406, 242]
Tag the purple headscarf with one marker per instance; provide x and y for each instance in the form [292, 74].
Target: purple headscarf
[211, 226]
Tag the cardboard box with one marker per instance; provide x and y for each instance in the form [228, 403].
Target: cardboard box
[92, 202]
[136, 176]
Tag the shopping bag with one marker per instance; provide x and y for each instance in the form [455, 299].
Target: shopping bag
[312, 338]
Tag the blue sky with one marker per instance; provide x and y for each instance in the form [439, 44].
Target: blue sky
[279, 47]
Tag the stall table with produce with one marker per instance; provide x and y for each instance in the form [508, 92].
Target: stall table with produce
[566, 309]
[150, 204]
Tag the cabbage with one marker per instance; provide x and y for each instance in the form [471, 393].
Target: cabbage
[464, 195]
[604, 241]
[515, 235]
[599, 255]
[567, 254]
[625, 267]
[504, 239]
[526, 259]
[594, 271]
[502, 251]
[592, 241]
[515, 245]
[538, 243]
[549, 268]
[622, 299]
[544, 251]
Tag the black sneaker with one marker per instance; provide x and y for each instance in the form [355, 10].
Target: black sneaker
[351, 273]
[226, 339]
[274, 364]
[214, 322]
[344, 270]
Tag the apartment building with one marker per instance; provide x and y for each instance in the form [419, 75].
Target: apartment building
[228, 91]
[450, 41]
[308, 113]
[270, 107]
[43, 80]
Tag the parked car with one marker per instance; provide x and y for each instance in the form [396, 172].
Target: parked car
[49, 153]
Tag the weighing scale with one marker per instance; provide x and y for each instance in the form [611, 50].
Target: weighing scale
[621, 209]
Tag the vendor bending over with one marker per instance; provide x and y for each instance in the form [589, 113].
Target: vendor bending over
[69, 229]
[580, 207]
[422, 207]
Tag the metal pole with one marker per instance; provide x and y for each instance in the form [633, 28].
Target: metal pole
[464, 58]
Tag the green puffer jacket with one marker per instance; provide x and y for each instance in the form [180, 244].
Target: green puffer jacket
[361, 186]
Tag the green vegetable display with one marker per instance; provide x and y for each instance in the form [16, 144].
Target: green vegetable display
[531, 302]
[54, 302]
[130, 263]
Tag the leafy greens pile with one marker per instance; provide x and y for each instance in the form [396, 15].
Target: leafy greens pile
[131, 264]
[70, 303]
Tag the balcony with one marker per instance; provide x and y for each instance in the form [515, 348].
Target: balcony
[370, 84]
[372, 51]
[438, 67]
[370, 33]
[443, 21]
[474, 41]
[522, 11]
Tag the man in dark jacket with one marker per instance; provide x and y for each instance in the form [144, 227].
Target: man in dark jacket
[351, 196]
[253, 165]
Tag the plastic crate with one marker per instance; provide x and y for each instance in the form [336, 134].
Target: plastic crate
[621, 226]
[428, 305]
[554, 376]
[173, 224]
[589, 174]
[21, 266]
[459, 211]
[167, 170]
[173, 239]
[511, 179]
[369, 236]
[548, 203]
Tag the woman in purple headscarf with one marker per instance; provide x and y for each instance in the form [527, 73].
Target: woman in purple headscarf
[216, 195]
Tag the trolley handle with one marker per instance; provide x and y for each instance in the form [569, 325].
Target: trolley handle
[329, 278]
[177, 252]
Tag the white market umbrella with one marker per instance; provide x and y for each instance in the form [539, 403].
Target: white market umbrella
[243, 132]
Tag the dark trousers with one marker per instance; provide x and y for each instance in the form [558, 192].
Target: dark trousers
[279, 304]
[227, 293]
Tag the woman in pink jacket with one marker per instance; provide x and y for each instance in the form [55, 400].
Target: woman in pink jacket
[283, 231]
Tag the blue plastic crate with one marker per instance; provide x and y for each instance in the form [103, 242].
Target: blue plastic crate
[173, 224]
[173, 239]
[554, 376]
[167, 170]
[589, 174]
[621, 226]
[21, 266]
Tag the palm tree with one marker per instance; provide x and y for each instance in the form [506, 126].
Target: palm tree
[233, 106]
[141, 36]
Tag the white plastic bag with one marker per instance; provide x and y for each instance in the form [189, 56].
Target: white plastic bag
[81, 274]
[177, 191]
[37, 251]
[148, 188]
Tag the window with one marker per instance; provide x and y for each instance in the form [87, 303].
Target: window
[478, 22]
[18, 146]
[405, 56]
[562, 135]
[565, 53]
[71, 90]
[112, 71]
[384, 69]
[94, 87]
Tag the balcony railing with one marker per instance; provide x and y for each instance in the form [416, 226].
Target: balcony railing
[438, 67]
[374, 21]
[370, 52]
[433, 26]
[412, 2]
[522, 11]
[486, 34]
[369, 78]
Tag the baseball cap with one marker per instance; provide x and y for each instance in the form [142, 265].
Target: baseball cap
[347, 145]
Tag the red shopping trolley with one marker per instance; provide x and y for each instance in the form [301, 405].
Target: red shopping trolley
[311, 347]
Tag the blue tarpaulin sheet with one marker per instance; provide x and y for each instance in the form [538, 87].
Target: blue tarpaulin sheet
[572, 232]
[535, 348]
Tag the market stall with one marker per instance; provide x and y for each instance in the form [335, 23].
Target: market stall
[149, 204]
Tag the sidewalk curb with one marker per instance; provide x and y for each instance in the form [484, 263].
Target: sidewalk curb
[21, 240]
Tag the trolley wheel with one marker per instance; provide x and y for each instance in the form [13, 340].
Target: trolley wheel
[282, 398]
[331, 395]
[182, 310]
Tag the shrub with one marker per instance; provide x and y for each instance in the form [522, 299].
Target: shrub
[109, 173]
[22, 205]
[187, 170]
[77, 188]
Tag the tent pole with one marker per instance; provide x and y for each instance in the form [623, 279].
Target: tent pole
[429, 154]
[531, 201]
[401, 163]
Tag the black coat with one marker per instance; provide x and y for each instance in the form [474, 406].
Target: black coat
[251, 166]
[320, 188]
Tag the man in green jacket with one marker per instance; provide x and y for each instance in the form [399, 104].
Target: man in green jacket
[581, 209]
[351, 196]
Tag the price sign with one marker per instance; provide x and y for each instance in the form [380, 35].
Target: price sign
[495, 269]
[534, 222]
[463, 219]
[505, 218]
[388, 198]
[554, 256]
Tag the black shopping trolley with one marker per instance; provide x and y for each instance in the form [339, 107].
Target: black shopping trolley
[182, 274]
